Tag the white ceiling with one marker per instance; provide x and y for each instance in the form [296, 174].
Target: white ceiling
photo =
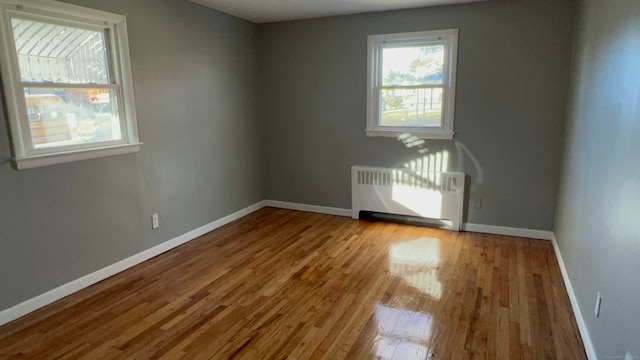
[264, 11]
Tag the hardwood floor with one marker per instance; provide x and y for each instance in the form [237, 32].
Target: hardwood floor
[287, 284]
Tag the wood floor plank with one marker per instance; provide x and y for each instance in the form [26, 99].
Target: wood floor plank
[287, 284]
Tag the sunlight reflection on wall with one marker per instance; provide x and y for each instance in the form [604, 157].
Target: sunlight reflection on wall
[417, 262]
[426, 203]
[439, 161]
[411, 141]
[434, 162]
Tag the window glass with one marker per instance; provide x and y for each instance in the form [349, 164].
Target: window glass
[59, 53]
[84, 115]
[413, 65]
[411, 84]
[420, 107]
[31, 113]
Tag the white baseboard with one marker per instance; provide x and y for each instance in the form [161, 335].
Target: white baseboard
[582, 326]
[509, 231]
[58, 293]
[489, 229]
[309, 208]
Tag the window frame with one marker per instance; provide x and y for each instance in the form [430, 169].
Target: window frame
[25, 155]
[375, 44]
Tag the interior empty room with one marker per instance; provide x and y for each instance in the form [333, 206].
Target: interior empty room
[250, 179]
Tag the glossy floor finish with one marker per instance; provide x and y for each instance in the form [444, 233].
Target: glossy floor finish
[286, 284]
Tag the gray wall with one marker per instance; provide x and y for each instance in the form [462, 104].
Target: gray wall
[194, 72]
[513, 77]
[597, 223]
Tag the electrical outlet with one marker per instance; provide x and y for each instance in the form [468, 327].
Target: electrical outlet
[155, 221]
[628, 356]
[477, 202]
[598, 303]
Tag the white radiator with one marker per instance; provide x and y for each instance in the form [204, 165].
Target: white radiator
[434, 195]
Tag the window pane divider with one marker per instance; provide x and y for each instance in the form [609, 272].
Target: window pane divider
[401, 87]
[27, 84]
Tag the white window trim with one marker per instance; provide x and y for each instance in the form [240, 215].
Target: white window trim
[24, 154]
[374, 67]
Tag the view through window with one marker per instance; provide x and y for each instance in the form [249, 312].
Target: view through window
[82, 107]
[411, 85]
[411, 91]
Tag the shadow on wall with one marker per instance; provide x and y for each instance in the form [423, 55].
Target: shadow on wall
[441, 161]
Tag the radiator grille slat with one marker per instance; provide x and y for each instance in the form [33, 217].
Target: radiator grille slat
[374, 178]
[401, 177]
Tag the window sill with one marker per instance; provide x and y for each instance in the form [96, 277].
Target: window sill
[71, 156]
[442, 135]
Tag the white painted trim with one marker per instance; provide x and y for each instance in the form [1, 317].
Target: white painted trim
[582, 326]
[98, 16]
[417, 132]
[309, 208]
[490, 229]
[58, 293]
[508, 231]
[71, 156]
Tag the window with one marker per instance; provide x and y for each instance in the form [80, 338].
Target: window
[67, 82]
[411, 88]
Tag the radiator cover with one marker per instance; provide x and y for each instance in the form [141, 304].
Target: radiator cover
[427, 194]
